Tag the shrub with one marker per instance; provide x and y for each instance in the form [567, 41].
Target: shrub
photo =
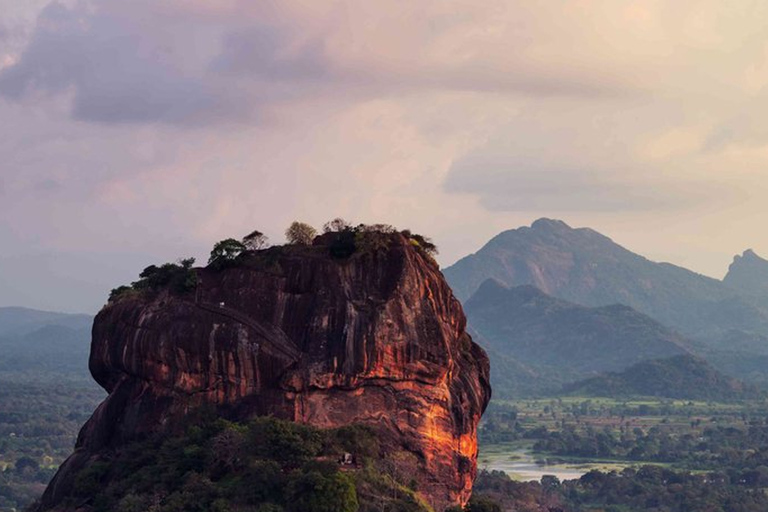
[344, 245]
[299, 233]
[255, 241]
[224, 252]
[423, 243]
[286, 442]
[178, 277]
[89, 481]
[318, 492]
[122, 292]
[482, 504]
[336, 225]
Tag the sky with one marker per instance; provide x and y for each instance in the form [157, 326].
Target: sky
[139, 132]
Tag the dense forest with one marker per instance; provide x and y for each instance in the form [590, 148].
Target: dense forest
[46, 394]
[649, 488]
[264, 465]
[40, 416]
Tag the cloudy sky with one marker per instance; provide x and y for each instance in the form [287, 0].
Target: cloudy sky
[135, 132]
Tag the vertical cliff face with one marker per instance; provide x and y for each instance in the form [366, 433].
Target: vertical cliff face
[376, 338]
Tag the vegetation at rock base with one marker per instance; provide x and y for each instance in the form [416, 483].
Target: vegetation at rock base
[261, 465]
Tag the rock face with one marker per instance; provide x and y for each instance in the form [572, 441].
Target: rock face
[377, 338]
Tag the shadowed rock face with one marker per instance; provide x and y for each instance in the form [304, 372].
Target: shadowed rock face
[377, 338]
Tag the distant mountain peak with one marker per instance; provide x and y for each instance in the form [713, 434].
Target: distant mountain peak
[585, 267]
[18, 321]
[748, 273]
[491, 286]
[749, 255]
[545, 223]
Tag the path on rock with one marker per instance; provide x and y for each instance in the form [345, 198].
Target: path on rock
[276, 338]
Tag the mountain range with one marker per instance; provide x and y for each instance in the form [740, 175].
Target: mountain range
[587, 268]
[548, 341]
[552, 304]
[16, 321]
[34, 341]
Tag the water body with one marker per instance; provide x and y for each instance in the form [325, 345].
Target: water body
[522, 465]
[527, 469]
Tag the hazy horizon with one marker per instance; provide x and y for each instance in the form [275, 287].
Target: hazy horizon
[201, 261]
[137, 133]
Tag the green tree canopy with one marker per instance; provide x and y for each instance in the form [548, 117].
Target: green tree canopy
[300, 233]
[225, 251]
[256, 240]
[336, 225]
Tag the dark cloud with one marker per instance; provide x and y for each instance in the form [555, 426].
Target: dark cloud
[140, 64]
[118, 71]
[260, 52]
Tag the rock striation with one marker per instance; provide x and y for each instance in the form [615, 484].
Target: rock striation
[375, 338]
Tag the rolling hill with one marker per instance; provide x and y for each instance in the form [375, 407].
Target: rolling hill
[683, 377]
[537, 342]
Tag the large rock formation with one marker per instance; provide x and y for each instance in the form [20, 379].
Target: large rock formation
[376, 338]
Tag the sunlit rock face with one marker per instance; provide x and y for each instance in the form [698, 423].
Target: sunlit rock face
[376, 338]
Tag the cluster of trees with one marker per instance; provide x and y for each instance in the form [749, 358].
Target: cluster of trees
[180, 277]
[264, 465]
[177, 277]
[370, 238]
[649, 488]
[712, 447]
[348, 239]
[726, 446]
